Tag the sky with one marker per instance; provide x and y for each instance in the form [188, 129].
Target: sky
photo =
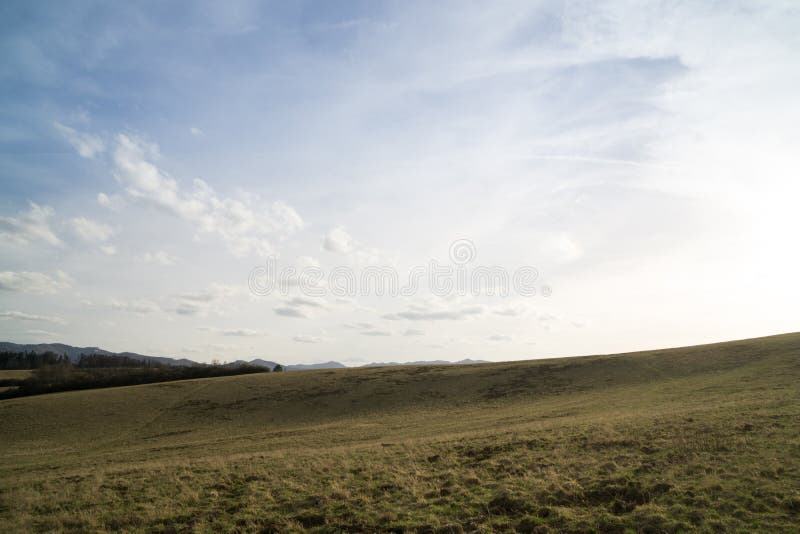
[635, 164]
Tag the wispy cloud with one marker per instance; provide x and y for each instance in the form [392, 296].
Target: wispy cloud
[87, 145]
[34, 282]
[110, 202]
[31, 226]
[413, 332]
[157, 258]
[360, 326]
[299, 302]
[338, 240]
[139, 307]
[201, 303]
[230, 332]
[436, 315]
[306, 338]
[22, 316]
[243, 227]
[286, 311]
[89, 230]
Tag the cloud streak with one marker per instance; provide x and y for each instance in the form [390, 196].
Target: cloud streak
[436, 315]
[30, 227]
[229, 332]
[87, 145]
[34, 282]
[23, 316]
[90, 231]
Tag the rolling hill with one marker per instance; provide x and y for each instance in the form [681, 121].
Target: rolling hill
[697, 438]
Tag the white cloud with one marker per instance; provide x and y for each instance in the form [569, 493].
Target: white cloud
[413, 332]
[360, 326]
[139, 307]
[230, 332]
[157, 258]
[30, 226]
[368, 329]
[286, 311]
[376, 333]
[204, 302]
[239, 332]
[109, 250]
[546, 317]
[245, 228]
[87, 145]
[37, 332]
[34, 282]
[306, 338]
[305, 301]
[300, 307]
[89, 230]
[284, 217]
[197, 132]
[511, 311]
[306, 261]
[338, 240]
[562, 248]
[435, 315]
[110, 202]
[22, 316]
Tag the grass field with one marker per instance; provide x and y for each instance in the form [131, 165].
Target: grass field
[11, 377]
[702, 438]
[21, 374]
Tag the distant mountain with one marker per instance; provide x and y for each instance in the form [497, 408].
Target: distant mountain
[425, 362]
[258, 362]
[312, 366]
[263, 363]
[337, 365]
[74, 353]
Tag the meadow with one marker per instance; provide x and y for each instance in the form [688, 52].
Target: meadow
[9, 379]
[700, 438]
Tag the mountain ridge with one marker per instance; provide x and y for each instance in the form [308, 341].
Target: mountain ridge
[74, 354]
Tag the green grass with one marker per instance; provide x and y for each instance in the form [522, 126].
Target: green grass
[701, 438]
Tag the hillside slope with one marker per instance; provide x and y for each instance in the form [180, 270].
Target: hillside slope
[601, 442]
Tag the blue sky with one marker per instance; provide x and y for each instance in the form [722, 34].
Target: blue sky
[641, 156]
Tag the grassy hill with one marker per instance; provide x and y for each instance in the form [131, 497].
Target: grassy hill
[704, 438]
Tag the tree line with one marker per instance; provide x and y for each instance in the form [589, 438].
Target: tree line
[55, 372]
[31, 360]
